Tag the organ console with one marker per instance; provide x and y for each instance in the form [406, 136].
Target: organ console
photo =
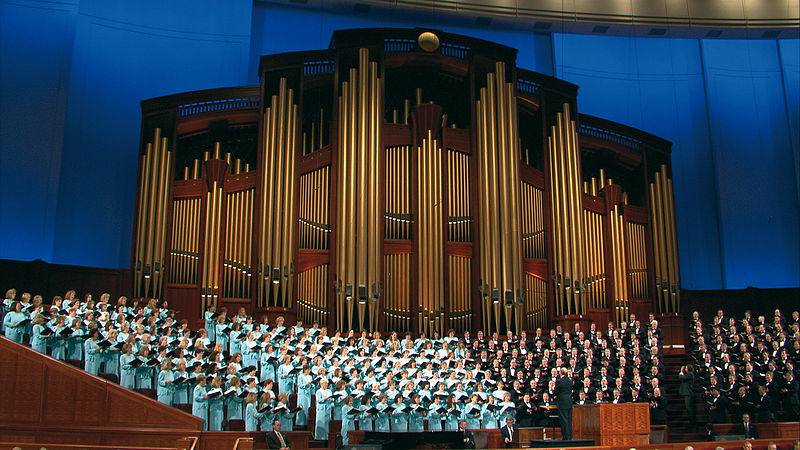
[403, 180]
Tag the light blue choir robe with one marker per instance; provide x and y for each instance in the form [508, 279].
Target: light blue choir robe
[416, 420]
[451, 421]
[39, 342]
[337, 411]
[216, 413]
[165, 389]
[268, 418]
[348, 423]
[249, 358]
[144, 377]
[235, 405]
[58, 344]
[507, 409]
[91, 361]
[219, 336]
[473, 423]
[382, 417]
[75, 345]
[489, 418]
[209, 323]
[14, 333]
[267, 369]
[127, 377]
[324, 404]
[200, 405]
[252, 417]
[399, 421]
[181, 394]
[110, 360]
[285, 416]
[305, 388]
[434, 419]
[285, 381]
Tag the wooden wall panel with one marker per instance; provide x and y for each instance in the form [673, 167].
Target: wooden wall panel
[39, 390]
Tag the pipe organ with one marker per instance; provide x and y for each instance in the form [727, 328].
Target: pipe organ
[385, 185]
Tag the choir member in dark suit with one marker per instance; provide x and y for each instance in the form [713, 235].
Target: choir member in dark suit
[746, 428]
[507, 432]
[466, 435]
[276, 439]
[564, 403]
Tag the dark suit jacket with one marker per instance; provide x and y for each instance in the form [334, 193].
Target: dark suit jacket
[749, 432]
[687, 384]
[470, 440]
[506, 434]
[274, 442]
[563, 393]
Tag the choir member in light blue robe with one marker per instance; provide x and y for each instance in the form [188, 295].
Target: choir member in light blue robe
[285, 377]
[166, 389]
[75, 341]
[210, 321]
[181, 395]
[324, 404]
[234, 403]
[305, 388]
[283, 413]
[220, 334]
[127, 376]
[417, 414]
[12, 323]
[38, 339]
[348, 420]
[91, 362]
[472, 413]
[251, 415]
[453, 415]
[58, 344]
[489, 414]
[215, 406]
[144, 373]
[434, 416]
[382, 417]
[200, 401]
[399, 417]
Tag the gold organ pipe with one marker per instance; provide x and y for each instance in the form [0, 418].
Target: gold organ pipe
[151, 195]
[362, 201]
[676, 277]
[290, 217]
[163, 204]
[143, 210]
[342, 209]
[661, 243]
[483, 208]
[495, 230]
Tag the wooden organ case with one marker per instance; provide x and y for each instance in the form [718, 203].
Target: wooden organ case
[403, 180]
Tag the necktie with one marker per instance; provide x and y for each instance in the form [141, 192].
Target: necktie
[280, 437]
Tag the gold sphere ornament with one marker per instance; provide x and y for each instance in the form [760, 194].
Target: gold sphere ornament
[428, 41]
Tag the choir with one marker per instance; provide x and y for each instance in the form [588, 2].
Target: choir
[229, 370]
[748, 365]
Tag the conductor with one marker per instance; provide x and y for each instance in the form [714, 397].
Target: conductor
[564, 402]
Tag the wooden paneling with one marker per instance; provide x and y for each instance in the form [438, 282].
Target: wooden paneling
[38, 390]
[609, 424]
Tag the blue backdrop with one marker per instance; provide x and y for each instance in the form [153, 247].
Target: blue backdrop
[72, 73]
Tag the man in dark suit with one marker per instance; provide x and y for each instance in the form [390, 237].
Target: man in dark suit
[276, 439]
[466, 435]
[564, 403]
[746, 428]
[717, 407]
[507, 432]
[687, 392]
